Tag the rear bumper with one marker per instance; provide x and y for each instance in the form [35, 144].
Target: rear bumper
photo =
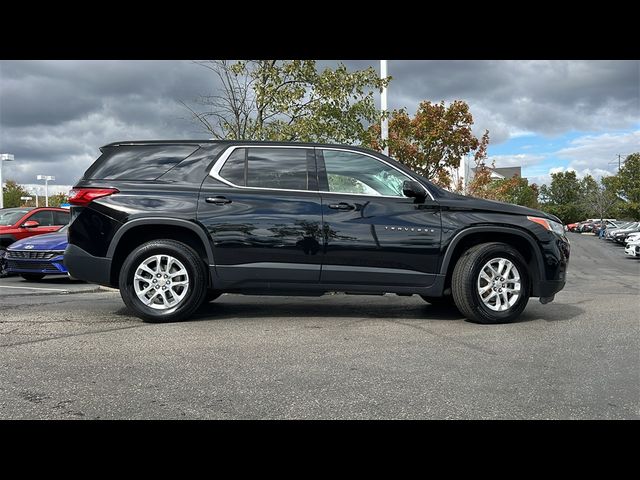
[84, 266]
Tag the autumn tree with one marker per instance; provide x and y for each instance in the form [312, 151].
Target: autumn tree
[514, 190]
[433, 142]
[12, 193]
[57, 199]
[287, 100]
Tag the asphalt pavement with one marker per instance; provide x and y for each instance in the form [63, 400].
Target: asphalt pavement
[83, 356]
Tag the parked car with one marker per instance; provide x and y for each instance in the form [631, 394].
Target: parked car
[175, 223]
[632, 237]
[20, 223]
[572, 226]
[632, 247]
[610, 232]
[621, 234]
[35, 257]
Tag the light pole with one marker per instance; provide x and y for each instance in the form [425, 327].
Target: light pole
[46, 179]
[4, 157]
[384, 134]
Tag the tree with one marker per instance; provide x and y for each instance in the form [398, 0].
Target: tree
[563, 198]
[515, 190]
[432, 142]
[627, 185]
[599, 199]
[57, 199]
[12, 193]
[288, 100]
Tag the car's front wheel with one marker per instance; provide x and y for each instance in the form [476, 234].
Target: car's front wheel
[490, 283]
[163, 281]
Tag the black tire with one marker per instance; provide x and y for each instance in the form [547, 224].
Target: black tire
[4, 266]
[32, 277]
[212, 295]
[196, 292]
[465, 277]
[444, 301]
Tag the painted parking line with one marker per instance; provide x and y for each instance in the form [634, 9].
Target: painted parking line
[37, 288]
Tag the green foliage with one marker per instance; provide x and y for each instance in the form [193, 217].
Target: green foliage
[289, 100]
[433, 141]
[57, 199]
[626, 184]
[12, 193]
[514, 190]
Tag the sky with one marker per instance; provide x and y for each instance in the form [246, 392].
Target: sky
[546, 116]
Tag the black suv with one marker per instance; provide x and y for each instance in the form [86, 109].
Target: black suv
[174, 224]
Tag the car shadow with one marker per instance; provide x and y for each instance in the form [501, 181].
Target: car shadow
[275, 309]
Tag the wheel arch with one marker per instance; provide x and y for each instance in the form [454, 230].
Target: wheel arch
[518, 239]
[137, 232]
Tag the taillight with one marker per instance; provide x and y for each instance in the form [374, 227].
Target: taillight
[84, 196]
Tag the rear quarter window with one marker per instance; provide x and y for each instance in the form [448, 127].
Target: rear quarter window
[145, 162]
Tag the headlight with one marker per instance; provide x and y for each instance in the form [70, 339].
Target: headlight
[555, 227]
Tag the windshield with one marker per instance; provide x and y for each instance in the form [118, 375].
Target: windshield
[12, 215]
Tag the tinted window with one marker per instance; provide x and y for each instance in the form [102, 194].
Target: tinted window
[60, 218]
[234, 168]
[277, 168]
[138, 162]
[44, 218]
[349, 172]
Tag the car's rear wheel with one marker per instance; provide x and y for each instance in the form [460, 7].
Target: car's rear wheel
[163, 281]
[490, 283]
[32, 277]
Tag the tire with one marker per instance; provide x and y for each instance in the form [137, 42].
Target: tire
[177, 303]
[212, 295]
[466, 284]
[32, 277]
[444, 301]
[4, 266]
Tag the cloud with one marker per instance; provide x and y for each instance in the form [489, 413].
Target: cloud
[600, 151]
[54, 115]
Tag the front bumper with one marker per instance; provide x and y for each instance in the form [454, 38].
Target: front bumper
[631, 250]
[84, 266]
[51, 266]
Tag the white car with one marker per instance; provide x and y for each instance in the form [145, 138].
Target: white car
[634, 237]
[633, 248]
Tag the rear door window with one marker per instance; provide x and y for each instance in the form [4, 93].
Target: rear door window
[60, 218]
[138, 162]
[277, 168]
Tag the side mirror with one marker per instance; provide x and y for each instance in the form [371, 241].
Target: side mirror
[30, 224]
[413, 189]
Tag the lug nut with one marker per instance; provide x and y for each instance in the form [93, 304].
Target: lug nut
[499, 290]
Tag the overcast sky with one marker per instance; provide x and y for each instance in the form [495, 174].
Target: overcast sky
[546, 116]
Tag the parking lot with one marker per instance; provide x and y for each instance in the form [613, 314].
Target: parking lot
[81, 355]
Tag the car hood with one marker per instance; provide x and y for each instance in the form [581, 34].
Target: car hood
[461, 202]
[49, 241]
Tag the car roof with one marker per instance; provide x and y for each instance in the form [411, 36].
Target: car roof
[227, 142]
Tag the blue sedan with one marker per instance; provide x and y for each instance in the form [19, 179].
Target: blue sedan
[35, 257]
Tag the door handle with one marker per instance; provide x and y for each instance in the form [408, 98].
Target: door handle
[342, 206]
[217, 200]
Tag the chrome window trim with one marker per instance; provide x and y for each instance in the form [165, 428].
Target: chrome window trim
[215, 170]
